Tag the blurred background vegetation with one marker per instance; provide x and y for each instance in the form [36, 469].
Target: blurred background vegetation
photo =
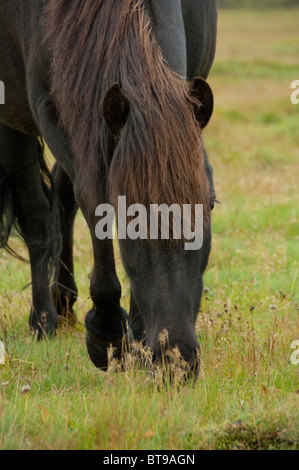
[260, 4]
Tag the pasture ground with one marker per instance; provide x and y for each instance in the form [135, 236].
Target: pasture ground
[247, 396]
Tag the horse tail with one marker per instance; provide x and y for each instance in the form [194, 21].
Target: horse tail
[7, 213]
[53, 243]
[9, 221]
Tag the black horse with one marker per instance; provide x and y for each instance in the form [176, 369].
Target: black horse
[106, 84]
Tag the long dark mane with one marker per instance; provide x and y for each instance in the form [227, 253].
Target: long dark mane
[159, 158]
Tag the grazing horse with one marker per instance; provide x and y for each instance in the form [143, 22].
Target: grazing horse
[111, 87]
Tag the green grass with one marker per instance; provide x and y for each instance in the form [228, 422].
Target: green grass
[247, 395]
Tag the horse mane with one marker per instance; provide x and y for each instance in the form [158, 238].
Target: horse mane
[159, 157]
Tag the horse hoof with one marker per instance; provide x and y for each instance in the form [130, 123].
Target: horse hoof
[101, 347]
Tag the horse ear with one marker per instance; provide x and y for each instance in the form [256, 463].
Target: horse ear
[115, 109]
[201, 91]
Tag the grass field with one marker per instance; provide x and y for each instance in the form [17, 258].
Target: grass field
[247, 396]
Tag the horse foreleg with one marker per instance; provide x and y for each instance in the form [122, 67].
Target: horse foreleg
[107, 322]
